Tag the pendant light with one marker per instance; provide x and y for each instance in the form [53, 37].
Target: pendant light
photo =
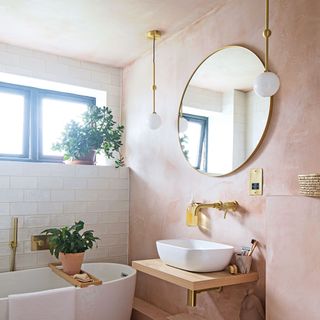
[154, 119]
[266, 84]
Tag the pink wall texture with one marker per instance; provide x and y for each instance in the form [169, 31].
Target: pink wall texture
[286, 224]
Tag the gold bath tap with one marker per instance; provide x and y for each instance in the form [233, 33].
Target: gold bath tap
[194, 209]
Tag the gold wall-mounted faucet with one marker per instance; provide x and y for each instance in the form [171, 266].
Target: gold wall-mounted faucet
[194, 208]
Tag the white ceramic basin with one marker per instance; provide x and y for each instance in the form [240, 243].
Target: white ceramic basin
[195, 255]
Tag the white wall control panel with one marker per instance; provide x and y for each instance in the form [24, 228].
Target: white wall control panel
[256, 182]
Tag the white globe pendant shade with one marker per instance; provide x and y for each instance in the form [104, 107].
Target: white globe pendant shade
[154, 121]
[183, 124]
[266, 84]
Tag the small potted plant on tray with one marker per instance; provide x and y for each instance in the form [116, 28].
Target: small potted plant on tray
[97, 131]
[68, 245]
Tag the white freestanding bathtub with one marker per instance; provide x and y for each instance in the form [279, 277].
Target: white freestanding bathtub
[110, 301]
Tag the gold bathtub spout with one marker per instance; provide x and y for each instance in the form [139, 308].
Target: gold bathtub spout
[14, 244]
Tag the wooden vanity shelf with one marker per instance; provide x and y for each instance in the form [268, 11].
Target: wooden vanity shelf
[57, 269]
[194, 282]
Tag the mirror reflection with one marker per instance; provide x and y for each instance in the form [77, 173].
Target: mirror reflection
[221, 119]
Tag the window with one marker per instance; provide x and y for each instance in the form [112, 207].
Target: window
[32, 119]
[195, 141]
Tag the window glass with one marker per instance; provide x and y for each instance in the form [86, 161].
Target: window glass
[55, 114]
[194, 141]
[32, 120]
[12, 112]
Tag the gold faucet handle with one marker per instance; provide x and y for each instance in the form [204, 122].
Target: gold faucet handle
[231, 205]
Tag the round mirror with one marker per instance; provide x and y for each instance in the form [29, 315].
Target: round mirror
[221, 120]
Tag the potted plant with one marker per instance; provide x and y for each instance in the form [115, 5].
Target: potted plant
[68, 245]
[97, 131]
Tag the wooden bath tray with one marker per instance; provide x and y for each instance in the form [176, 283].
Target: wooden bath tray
[55, 268]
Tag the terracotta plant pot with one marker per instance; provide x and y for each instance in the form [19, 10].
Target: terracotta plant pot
[89, 159]
[71, 262]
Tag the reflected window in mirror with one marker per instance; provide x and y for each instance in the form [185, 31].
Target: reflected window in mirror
[194, 140]
[221, 90]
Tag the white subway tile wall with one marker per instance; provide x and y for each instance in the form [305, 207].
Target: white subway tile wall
[46, 195]
[52, 195]
[40, 65]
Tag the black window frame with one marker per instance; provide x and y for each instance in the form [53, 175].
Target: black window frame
[32, 131]
[203, 143]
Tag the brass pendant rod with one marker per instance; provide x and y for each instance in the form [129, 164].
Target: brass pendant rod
[154, 35]
[266, 35]
[154, 87]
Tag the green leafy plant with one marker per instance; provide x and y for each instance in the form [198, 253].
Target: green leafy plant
[119, 162]
[96, 132]
[184, 140]
[69, 239]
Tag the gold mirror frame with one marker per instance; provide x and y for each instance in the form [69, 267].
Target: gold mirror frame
[262, 135]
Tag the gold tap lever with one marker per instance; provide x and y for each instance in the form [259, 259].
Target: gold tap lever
[229, 206]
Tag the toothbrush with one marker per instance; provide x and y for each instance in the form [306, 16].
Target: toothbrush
[253, 246]
[245, 251]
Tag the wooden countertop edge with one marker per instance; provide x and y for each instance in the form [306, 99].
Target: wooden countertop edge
[164, 275]
[225, 280]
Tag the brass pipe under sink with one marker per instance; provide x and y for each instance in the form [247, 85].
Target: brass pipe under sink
[191, 298]
[192, 295]
[14, 245]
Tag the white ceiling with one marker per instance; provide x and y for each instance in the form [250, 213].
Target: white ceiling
[105, 31]
[228, 69]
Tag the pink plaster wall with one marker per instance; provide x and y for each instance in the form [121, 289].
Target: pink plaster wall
[162, 181]
[293, 260]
